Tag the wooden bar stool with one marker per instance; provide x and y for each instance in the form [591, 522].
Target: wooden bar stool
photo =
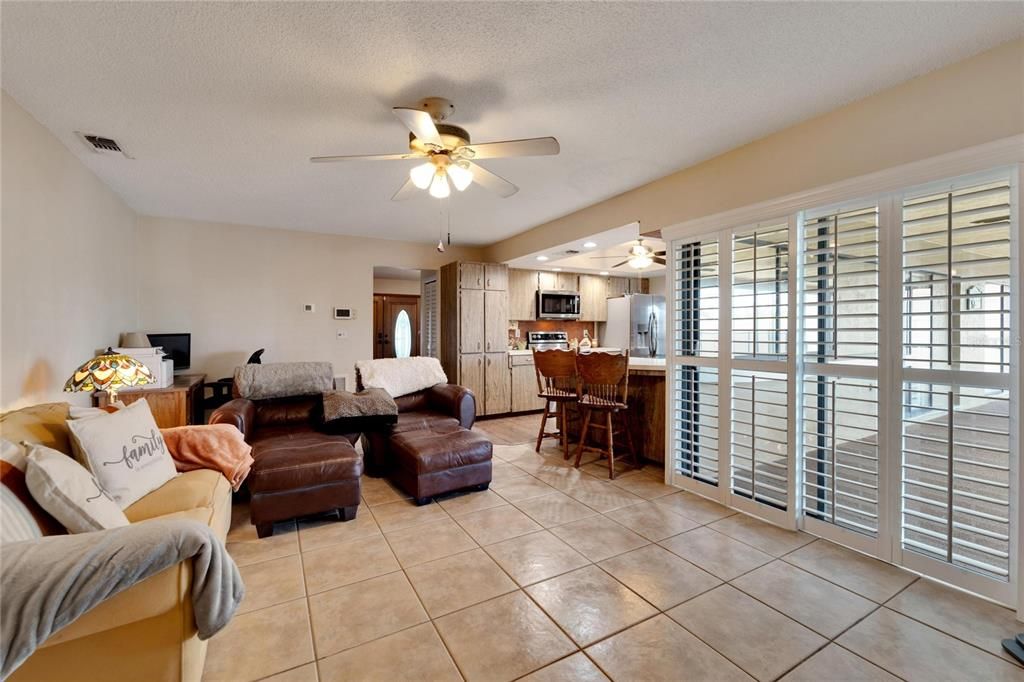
[557, 384]
[604, 382]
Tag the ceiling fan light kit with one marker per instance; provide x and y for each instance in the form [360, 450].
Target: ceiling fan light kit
[448, 153]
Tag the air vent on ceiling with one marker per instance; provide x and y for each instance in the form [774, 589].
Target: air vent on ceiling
[572, 252]
[101, 145]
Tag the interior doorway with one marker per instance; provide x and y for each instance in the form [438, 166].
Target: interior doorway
[396, 325]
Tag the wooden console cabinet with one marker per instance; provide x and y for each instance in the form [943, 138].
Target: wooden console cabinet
[180, 404]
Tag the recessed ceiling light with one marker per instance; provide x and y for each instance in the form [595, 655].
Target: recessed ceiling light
[604, 272]
[557, 269]
[589, 245]
[542, 258]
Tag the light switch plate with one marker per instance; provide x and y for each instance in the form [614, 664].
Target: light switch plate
[309, 308]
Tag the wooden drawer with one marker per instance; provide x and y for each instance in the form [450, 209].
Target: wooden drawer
[517, 360]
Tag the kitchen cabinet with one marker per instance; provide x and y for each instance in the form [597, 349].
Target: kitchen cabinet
[619, 286]
[556, 281]
[472, 329]
[495, 321]
[522, 294]
[593, 298]
[471, 275]
[471, 375]
[524, 384]
[498, 384]
[495, 277]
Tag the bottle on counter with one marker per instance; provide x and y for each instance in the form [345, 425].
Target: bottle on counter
[585, 343]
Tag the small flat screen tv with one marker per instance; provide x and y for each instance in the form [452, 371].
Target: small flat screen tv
[178, 347]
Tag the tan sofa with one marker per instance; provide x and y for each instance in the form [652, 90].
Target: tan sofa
[146, 632]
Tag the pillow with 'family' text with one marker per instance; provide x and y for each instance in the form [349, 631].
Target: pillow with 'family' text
[125, 452]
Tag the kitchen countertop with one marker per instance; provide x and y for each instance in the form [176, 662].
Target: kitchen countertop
[638, 363]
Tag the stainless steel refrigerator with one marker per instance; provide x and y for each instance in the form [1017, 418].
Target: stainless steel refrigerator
[636, 322]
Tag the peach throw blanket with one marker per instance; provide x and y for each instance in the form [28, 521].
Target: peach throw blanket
[214, 446]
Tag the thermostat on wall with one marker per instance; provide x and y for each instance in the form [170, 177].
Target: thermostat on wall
[344, 314]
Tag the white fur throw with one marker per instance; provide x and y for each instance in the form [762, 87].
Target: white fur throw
[283, 379]
[400, 376]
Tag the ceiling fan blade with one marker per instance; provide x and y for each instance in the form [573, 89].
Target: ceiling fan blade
[420, 123]
[619, 265]
[604, 257]
[660, 261]
[536, 146]
[367, 157]
[406, 191]
[660, 253]
[495, 183]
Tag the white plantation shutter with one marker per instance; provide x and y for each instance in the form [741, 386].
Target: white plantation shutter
[760, 440]
[955, 454]
[431, 321]
[760, 292]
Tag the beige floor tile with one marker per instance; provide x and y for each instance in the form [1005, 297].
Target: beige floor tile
[816, 603]
[326, 532]
[507, 453]
[575, 668]
[652, 521]
[915, 651]
[589, 604]
[700, 509]
[304, 673]
[272, 582]
[497, 524]
[648, 485]
[522, 488]
[758, 639]
[405, 514]
[458, 581]
[260, 643]
[413, 654]
[764, 536]
[530, 462]
[717, 554]
[836, 663]
[598, 468]
[380, 491]
[554, 510]
[338, 565]
[867, 577]
[503, 471]
[659, 650]
[246, 548]
[503, 638]
[352, 615]
[429, 541]
[659, 576]
[599, 538]
[564, 478]
[966, 617]
[601, 496]
[535, 557]
[466, 503]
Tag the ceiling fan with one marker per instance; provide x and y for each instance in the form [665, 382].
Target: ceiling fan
[448, 153]
[640, 256]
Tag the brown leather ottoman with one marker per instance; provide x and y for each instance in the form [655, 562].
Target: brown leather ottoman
[440, 460]
[299, 472]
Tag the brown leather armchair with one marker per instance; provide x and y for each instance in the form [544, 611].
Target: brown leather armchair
[298, 470]
[438, 408]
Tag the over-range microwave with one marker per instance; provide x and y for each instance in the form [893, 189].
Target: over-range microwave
[558, 305]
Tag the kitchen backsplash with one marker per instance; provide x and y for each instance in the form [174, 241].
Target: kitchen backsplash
[573, 328]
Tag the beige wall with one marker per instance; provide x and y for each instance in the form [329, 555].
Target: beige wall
[974, 101]
[409, 287]
[238, 288]
[67, 248]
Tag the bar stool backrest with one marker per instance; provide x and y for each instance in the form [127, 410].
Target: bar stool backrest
[604, 376]
[556, 370]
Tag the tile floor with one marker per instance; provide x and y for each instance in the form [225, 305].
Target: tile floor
[559, 574]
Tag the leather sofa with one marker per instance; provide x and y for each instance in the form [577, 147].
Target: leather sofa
[148, 631]
[298, 470]
[437, 408]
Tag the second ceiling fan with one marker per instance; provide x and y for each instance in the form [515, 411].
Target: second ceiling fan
[639, 256]
[448, 153]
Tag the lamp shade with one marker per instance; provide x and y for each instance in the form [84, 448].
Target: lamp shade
[109, 372]
[134, 340]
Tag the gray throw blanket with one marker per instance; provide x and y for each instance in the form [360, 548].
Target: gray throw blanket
[372, 402]
[283, 379]
[50, 582]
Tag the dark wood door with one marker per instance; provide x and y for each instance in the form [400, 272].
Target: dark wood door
[396, 326]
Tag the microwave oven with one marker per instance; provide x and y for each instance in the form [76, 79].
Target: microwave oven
[558, 305]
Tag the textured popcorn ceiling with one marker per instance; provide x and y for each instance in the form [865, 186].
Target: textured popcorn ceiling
[221, 104]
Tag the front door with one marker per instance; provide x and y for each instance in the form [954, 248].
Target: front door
[396, 326]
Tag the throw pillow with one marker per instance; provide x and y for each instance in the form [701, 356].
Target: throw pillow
[80, 412]
[21, 517]
[71, 494]
[125, 452]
